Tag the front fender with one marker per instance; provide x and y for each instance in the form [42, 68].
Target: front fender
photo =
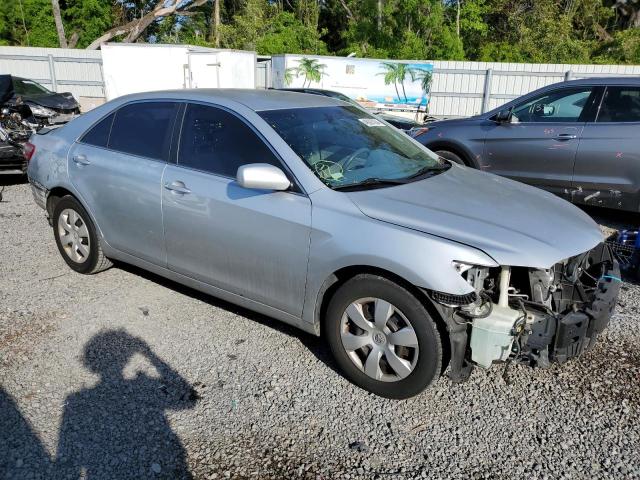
[345, 237]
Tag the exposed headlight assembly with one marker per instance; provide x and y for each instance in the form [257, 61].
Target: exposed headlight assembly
[40, 111]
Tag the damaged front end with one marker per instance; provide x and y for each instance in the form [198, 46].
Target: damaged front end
[531, 316]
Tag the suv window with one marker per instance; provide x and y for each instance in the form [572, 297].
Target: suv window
[144, 129]
[218, 142]
[99, 134]
[620, 104]
[564, 105]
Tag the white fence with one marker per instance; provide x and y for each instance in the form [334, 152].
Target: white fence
[458, 88]
[461, 89]
[59, 69]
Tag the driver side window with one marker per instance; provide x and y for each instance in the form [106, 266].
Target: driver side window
[564, 105]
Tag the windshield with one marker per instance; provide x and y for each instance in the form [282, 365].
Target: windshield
[28, 87]
[345, 146]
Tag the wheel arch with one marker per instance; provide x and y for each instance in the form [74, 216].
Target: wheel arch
[55, 195]
[342, 275]
[456, 148]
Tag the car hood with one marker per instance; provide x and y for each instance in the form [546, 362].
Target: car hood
[449, 122]
[56, 101]
[405, 122]
[513, 223]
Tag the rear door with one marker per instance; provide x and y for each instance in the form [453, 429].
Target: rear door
[253, 243]
[607, 170]
[539, 146]
[204, 70]
[117, 169]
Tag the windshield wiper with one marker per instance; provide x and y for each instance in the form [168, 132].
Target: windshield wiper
[429, 171]
[372, 182]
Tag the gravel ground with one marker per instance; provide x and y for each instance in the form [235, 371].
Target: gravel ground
[126, 375]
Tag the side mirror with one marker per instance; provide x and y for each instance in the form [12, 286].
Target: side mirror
[262, 176]
[503, 116]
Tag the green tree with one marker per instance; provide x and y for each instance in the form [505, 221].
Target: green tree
[266, 28]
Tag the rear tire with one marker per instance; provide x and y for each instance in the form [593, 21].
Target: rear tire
[452, 157]
[76, 237]
[382, 337]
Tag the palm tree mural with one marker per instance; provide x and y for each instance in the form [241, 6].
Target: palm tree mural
[310, 69]
[390, 75]
[424, 77]
[396, 73]
[288, 75]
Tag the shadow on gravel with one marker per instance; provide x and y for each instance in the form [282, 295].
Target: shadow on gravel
[20, 448]
[314, 344]
[115, 429]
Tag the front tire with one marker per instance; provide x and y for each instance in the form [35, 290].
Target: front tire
[452, 157]
[382, 337]
[76, 237]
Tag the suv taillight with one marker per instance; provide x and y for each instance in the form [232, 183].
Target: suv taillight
[28, 149]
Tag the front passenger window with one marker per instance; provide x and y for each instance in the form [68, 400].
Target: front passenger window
[564, 105]
[218, 142]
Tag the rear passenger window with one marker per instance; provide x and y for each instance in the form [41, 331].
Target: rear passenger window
[99, 134]
[144, 129]
[216, 141]
[620, 104]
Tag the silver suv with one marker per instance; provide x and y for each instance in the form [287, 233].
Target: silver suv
[314, 212]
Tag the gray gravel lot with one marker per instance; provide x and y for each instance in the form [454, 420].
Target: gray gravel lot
[126, 375]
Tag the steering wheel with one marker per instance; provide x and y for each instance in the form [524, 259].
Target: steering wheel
[347, 160]
[327, 169]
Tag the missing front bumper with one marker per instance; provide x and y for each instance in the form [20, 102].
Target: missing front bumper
[560, 337]
[558, 313]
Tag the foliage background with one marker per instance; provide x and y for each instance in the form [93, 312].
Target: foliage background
[539, 31]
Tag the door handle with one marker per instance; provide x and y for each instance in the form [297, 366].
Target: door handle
[566, 136]
[81, 160]
[177, 187]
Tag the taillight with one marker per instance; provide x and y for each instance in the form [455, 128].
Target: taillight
[28, 149]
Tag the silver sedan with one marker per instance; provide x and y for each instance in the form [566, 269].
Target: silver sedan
[311, 211]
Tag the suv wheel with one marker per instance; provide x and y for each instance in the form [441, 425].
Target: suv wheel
[452, 157]
[382, 337]
[76, 237]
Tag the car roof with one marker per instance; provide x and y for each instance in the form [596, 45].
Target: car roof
[257, 100]
[628, 80]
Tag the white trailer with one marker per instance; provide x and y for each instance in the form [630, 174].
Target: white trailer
[132, 68]
[374, 83]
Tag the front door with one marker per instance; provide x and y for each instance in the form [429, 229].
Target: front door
[253, 243]
[117, 168]
[607, 171]
[539, 145]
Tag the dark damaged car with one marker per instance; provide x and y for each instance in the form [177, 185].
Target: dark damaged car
[46, 108]
[26, 107]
